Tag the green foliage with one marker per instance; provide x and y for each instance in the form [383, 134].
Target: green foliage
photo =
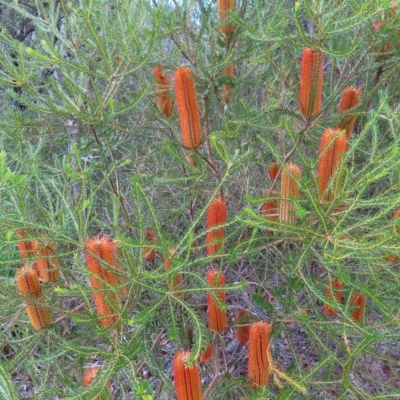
[84, 150]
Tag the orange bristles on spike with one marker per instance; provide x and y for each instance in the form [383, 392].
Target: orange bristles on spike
[242, 321]
[350, 99]
[88, 376]
[186, 378]
[217, 318]
[188, 109]
[206, 354]
[334, 290]
[164, 100]
[273, 170]
[216, 216]
[289, 188]
[259, 353]
[150, 254]
[26, 248]
[225, 23]
[311, 82]
[333, 146]
[358, 303]
[47, 265]
[226, 90]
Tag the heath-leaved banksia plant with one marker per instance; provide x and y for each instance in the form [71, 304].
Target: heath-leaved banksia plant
[217, 318]
[29, 286]
[290, 178]
[357, 303]
[186, 378]
[259, 369]
[216, 219]
[333, 146]
[242, 322]
[100, 254]
[311, 82]
[350, 99]
[226, 25]
[188, 109]
[333, 291]
[164, 100]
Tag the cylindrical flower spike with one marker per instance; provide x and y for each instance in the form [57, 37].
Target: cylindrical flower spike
[26, 248]
[216, 218]
[188, 109]
[273, 170]
[350, 99]
[242, 320]
[226, 90]
[259, 353]
[88, 376]
[311, 82]
[270, 207]
[186, 378]
[357, 301]
[334, 290]
[333, 146]
[206, 354]
[101, 261]
[289, 188]
[28, 285]
[217, 318]
[47, 265]
[225, 23]
[164, 100]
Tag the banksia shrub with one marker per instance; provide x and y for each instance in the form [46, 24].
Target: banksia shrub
[333, 291]
[206, 354]
[226, 26]
[188, 109]
[289, 188]
[242, 322]
[27, 248]
[186, 378]
[164, 100]
[217, 318]
[226, 90]
[357, 302]
[333, 146]
[350, 99]
[47, 265]
[88, 376]
[311, 82]
[216, 217]
[150, 254]
[259, 353]
[100, 262]
[29, 286]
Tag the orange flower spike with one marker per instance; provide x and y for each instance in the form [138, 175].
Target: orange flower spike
[334, 290]
[26, 248]
[106, 315]
[242, 321]
[358, 303]
[47, 265]
[350, 99]
[92, 256]
[259, 353]
[107, 249]
[164, 100]
[206, 354]
[333, 146]
[28, 284]
[217, 318]
[150, 254]
[226, 90]
[311, 82]
[216, 215]
[88, 376]
[270, 207]
[273, 170]
[226, 25]
[289, 188]
[188, 109]
[186, 379]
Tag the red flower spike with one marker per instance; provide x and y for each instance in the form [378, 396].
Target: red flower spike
[186, 379]
[217, 318]
[216, 216]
